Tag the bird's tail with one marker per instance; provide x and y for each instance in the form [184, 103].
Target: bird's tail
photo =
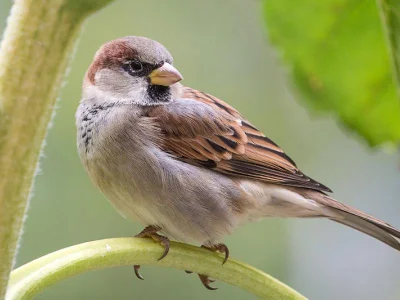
[363, 222]
[354, 218]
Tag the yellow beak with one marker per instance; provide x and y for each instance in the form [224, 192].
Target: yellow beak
[165, 75]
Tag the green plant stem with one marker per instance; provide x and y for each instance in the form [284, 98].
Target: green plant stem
[34, 54]
[389, 11]
[32, 278]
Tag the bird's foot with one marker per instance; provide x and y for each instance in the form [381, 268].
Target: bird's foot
[205, 280]
[151, 232]
[222, 248]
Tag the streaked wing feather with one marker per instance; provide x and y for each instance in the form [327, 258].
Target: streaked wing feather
[216, 136]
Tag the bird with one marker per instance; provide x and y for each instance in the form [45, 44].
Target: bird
[185, 164]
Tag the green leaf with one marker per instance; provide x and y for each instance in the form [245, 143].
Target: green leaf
[344, 60]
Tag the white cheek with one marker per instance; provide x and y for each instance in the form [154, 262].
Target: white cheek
[121, 86]
[138, 90]
[113, 81]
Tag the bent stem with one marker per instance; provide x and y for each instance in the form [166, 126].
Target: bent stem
[34, 54]
[32, 278]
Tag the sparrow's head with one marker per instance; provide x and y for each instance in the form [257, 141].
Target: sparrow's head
[132, 70]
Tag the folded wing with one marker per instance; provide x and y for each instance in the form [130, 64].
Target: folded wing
[201, 129]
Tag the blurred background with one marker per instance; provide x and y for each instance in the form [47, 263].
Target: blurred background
[220, 47]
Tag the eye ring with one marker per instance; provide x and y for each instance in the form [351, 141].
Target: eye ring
[136, 66]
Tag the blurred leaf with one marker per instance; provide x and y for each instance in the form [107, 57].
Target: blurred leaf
[339, 56]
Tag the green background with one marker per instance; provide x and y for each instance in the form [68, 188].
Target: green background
[220, 47]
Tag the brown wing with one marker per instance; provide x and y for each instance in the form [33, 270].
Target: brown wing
[203, 130]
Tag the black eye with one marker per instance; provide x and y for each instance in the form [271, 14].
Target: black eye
[136, 66]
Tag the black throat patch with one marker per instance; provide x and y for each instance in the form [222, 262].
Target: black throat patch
[159, 93]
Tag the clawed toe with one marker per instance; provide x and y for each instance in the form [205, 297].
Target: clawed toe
[205, 280]
[151, 232]
[222, 248]
[138, 275]
[165, 242]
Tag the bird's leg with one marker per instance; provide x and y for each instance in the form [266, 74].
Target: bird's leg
[205, 280]
[151, 232]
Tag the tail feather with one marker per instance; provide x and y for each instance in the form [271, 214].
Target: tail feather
[369, 227]
[356, 219]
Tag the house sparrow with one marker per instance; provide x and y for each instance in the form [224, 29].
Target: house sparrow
[185, 163]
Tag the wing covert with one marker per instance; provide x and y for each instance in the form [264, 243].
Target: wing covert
[201, 129]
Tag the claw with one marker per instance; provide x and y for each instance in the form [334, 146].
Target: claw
[205, 280]
[222, 248]
[165, 242]
[138, 275]
[188, 272]
[151, 232]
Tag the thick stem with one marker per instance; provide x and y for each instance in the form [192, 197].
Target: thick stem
[32, 278]
[34, 54]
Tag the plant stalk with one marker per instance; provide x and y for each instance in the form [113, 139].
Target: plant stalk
[34, 54]
[32, 278]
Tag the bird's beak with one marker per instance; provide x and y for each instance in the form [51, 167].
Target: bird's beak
[165, 75]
